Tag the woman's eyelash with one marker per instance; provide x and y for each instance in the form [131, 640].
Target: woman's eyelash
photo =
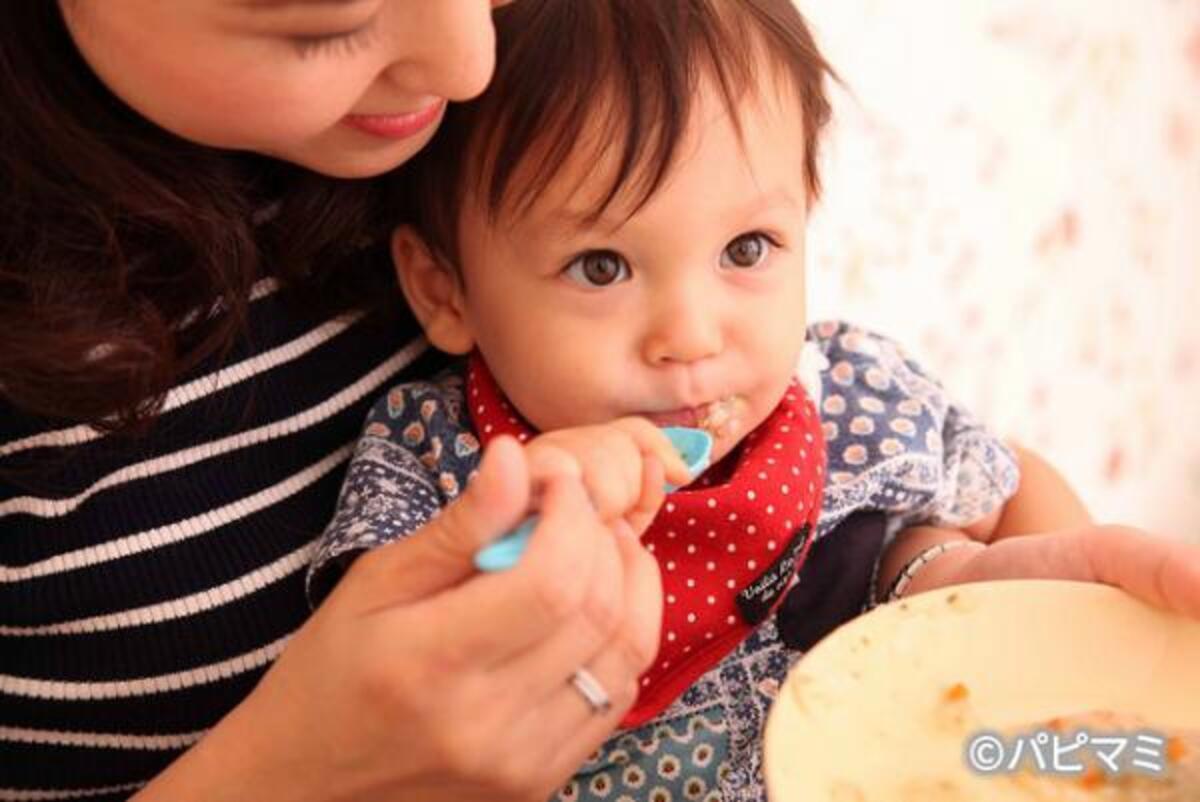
[342, 44]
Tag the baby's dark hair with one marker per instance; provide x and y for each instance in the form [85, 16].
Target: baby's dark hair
[630, 67]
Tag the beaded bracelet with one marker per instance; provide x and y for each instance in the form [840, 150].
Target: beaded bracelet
[902, 580]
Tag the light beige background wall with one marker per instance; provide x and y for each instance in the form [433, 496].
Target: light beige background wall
[1013, 191]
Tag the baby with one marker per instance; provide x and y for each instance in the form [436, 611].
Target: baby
[622, 250]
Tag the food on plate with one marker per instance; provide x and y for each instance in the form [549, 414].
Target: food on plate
[926, 699]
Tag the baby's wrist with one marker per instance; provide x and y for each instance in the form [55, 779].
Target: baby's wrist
[934, 567]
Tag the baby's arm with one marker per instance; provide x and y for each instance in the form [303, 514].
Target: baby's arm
[1043, 502]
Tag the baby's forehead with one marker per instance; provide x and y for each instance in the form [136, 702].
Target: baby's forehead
[607, 172]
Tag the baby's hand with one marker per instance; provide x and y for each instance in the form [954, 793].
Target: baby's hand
[622, 464]
[1164, 572]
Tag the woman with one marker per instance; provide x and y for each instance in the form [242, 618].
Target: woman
[195, 319]
[178, 236]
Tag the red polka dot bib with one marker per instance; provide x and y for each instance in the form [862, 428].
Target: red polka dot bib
[728, 545]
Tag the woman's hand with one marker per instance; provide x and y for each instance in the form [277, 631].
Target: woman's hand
[1161, 571]
[418, 679]
[1045, 532]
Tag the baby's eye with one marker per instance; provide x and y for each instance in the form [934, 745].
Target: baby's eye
[598, 269]
[746, 250]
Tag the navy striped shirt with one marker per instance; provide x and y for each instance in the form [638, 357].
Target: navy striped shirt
[146, 584]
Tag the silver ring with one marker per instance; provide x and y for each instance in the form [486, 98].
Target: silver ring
[591, 690]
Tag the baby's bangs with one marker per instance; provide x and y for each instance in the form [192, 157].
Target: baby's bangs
[626, 95]
[629, 93]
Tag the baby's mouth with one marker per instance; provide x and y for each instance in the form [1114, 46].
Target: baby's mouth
[719, 418]
[722, 417]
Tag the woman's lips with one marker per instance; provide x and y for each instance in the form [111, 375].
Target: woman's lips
[396, 126]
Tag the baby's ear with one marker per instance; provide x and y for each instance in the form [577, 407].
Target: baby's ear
[433, 291]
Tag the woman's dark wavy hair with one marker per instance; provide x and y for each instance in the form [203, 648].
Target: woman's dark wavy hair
[114, 232]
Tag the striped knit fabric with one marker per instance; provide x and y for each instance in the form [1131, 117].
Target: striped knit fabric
[146, 585]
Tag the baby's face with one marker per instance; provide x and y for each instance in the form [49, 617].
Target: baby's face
[690, 312]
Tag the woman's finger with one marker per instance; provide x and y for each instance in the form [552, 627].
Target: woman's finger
[496, 616]
[441, 554]
[575, 727]
[566, 729]
[602, 614]
[1157, 570]
[643, 601]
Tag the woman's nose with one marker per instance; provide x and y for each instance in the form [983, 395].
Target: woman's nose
[448, 47]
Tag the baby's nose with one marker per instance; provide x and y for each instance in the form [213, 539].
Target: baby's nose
[684, 334]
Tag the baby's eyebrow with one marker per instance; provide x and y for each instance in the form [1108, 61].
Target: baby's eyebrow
[780, 196]
[586, 220]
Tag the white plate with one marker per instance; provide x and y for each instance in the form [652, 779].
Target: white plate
[864, 717]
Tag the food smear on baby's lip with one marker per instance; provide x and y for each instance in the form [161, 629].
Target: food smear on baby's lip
[721, 418]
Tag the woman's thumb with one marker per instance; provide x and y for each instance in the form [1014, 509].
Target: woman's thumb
[441, 554]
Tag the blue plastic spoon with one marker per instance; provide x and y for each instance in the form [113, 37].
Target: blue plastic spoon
[693, 445]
